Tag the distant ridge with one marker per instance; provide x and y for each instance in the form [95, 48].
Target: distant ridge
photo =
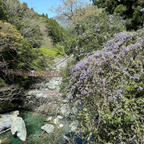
[61, 20]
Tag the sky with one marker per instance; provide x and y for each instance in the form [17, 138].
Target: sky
[43, 6]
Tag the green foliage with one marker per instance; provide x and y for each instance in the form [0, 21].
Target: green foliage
[57, 33]
[23, 19]
[108, 88]
[120, 9]
[130, 10]
[47, 52]
[65, 72]
[52, 53]
[60, 49]
[84, 118]
[16, 52]
[2, 82]
[93, 32]
[126, 120]
[2, 11]
[31, 32]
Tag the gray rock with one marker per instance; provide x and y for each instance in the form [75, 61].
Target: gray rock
[74, 125]
[56, 121]
[11, 98]
[67, 138]
[65, 101]
[54, 83]
[59, 117]
[64, 110]
[49, 118]
[74, 110]
[60, 126]
[6, 120]
[18, 128]
[49, 128]
[31, 92]
[142, 10]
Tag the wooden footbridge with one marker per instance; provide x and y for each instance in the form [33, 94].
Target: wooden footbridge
[32, 73]
[52, 73]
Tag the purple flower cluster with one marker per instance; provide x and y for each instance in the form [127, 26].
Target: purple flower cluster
[107, 72]
[110, 85]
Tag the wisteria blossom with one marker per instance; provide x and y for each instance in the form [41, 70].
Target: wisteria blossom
[111, 79]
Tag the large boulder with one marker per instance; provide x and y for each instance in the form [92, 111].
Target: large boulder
[11, 98]
[49, 128]
[18, 128]
[6, 120]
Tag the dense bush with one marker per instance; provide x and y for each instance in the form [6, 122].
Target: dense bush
[130, 10]
[108, 87]
[2, 12]
[93, 32]
[2, 83]
[15, 52]
[23, 19]
[57, 33]
[31, 32]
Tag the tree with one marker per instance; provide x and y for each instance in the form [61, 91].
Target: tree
[57, 33]
[2, 12]
[23, 18]
[70, 9]
[129, 10]
[15, 52]
[93, 32]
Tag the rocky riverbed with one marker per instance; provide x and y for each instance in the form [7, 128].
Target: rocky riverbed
[49, 110]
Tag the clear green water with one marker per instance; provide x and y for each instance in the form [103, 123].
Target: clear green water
[33, 122]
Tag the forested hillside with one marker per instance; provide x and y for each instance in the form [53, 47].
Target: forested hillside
[26, 37]
[96, 47]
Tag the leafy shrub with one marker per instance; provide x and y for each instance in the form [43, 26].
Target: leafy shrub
[59, 50]
[2, 83]
[23, 19]
[65, 72]
[109, 85]
[31, 32]
[16, 52]
[48, 52]
[2, 11]
[93, 32]
[130, 10]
